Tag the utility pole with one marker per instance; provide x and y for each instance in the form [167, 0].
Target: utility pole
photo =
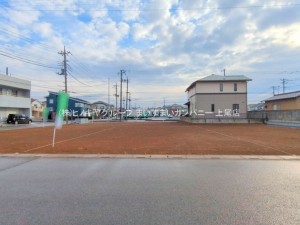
[129, 100]
[284, 82]
[64, 72]
[121, 81]
[224, 72]
[273, 87]
[116, 95]
[108, 97]
[127, 94]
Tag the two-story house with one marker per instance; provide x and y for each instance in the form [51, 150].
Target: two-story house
[14, 96]
[218, 96]
[77, 108]
[37, 108]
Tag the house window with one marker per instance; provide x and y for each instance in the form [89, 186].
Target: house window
[235, 86]
[212, 107]
[276, 107]
[51, 101]
[221, 87]
[236, 108]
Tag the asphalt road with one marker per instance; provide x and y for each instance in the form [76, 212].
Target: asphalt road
[90, 191]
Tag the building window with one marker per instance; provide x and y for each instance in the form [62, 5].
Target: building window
[276, 107]
[221, 87]
[236, 108]
[212, 107]
[51, 101]
[235, 86]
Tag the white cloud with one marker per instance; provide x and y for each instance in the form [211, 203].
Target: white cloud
[288, 35]
[45, 29]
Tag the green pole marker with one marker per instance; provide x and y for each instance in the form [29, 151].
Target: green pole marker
[62, 104]
[45, 114]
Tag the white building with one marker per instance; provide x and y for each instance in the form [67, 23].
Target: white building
[14, 96]
[216, 95]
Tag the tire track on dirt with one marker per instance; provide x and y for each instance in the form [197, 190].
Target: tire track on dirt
[70, 139]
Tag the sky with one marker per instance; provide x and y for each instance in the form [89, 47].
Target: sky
[163, 45]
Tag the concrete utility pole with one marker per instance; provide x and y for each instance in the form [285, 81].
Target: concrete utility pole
[127, 94]
[116, 95]
[273, 87]
[108, 97]
[121, 81]
[224, 72]
[284, 82]
[64, 72]
[129, 100]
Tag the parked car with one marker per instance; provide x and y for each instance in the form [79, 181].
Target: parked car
[18, 118]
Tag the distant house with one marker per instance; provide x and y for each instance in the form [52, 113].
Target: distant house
[37, 108]
[176, 110]
[217, 95]
[77, 108]
[14, 96]
[102, 109]
[286, 101]
[256, 107]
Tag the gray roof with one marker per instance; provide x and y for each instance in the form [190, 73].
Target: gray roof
[284, 96]
[100, 102]
[214, 77]
[218, 78]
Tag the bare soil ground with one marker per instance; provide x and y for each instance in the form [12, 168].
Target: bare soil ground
[155, 138]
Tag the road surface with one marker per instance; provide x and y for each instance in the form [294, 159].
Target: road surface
[93, 191]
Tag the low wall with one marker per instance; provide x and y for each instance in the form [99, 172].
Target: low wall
[275, 115]
[219, 120]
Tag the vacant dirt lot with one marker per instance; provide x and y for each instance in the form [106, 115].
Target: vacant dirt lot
[154, 138]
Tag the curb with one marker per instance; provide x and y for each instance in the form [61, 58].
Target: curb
[116, 156]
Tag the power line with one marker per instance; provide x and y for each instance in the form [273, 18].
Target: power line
[18, 58]
[22, 54]
[70, 73]
[42, 46]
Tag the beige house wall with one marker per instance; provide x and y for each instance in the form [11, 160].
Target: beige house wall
[214, 87]
[283, 104]
[221, 102]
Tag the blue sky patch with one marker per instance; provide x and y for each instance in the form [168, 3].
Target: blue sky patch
[84, 17]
